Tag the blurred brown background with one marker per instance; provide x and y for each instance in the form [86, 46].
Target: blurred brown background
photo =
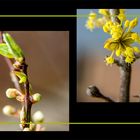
[93, 71]
[47, 54]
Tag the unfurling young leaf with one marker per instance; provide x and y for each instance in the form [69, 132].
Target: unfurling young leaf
[4, 50]
[21, 76]
[14, 49]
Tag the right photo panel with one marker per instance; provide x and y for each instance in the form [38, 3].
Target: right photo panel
[108, 52]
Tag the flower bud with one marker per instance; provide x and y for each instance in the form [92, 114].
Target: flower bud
[12, 93]
[126, 24]
[103, 12]
[9, 110]
[118, 52]
[109, 60]
[38, 117]
[106, 29]
[26, 129]
[133, 23]
[32, 126]
[135, 36]
[107, 45]
[36, 97]
[92, 16]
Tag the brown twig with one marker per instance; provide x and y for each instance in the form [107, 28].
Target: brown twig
[28, 103]
[125, 76]
[95, 92]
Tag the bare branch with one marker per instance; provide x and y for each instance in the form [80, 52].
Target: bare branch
[95, 92]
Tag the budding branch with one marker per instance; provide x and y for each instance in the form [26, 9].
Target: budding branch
[27, 102]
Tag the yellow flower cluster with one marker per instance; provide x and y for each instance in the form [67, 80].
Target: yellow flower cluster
[121, 33]
[93, 22]
[121, 39]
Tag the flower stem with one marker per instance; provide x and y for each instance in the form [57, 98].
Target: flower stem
[125, 76]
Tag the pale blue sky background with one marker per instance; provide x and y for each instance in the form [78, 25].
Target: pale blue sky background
[93, 41]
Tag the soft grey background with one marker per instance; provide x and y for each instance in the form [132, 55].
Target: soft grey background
[91, 69]
[47, 54]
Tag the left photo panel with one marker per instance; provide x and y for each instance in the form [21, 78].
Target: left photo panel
[34, 80]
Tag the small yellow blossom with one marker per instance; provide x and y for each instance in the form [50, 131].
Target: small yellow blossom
[92, 16]
[122, 11]
[122, 17]
[116, 28]
[90, 22]
[129, 59]
[100, 22]
[116, 31]
[109, 60]
[129, 52]
[89, 25]
[135, 37]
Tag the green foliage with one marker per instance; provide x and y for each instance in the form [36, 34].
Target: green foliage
[4, 50]
[13, 48]
[22, 76]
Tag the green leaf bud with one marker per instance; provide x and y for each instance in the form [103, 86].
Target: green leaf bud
[36, 97]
